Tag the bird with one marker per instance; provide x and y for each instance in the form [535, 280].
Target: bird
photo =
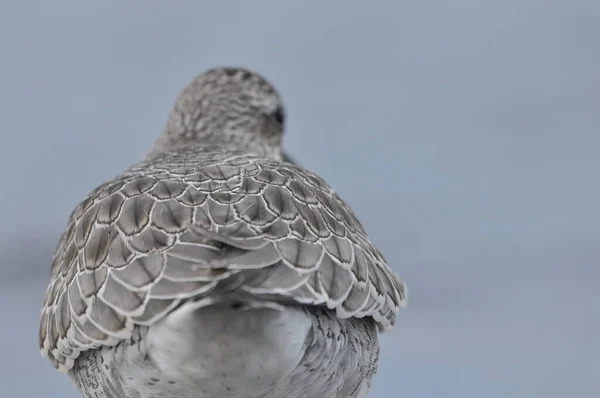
[217, 266]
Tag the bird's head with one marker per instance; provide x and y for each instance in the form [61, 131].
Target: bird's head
[231, 107]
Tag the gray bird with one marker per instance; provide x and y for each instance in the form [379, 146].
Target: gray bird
[215, 268]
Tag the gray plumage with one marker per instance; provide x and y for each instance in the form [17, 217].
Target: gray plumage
[214, 268]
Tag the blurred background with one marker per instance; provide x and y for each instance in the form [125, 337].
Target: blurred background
[466, 135]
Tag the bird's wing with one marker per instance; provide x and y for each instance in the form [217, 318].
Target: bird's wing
[166, 232]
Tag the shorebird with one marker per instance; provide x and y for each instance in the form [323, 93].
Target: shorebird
[216, 268]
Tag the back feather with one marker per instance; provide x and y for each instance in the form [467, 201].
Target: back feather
[186, 225]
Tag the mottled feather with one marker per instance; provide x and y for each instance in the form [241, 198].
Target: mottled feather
[165, 235]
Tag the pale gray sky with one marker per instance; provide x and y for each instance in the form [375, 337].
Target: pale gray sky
[466, 134]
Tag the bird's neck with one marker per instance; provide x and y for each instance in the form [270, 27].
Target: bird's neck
[222, 142]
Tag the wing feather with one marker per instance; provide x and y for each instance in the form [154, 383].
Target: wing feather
[184, 226]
